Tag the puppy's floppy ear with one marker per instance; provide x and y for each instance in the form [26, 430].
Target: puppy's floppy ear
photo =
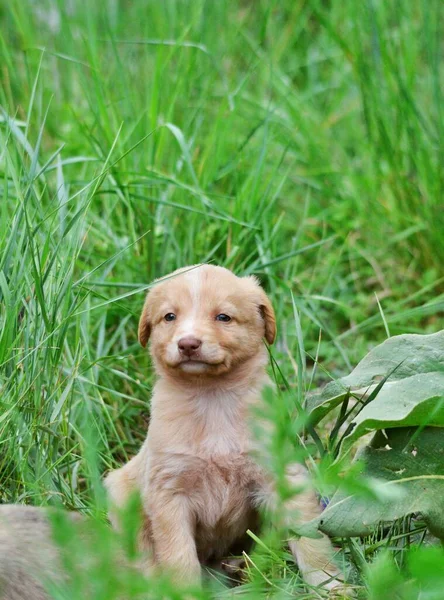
[269, 317]
[266, 310]
[144, 323]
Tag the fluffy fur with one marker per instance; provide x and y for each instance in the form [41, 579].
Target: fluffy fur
[33, 563]
[30, 561]
[200, 486]
[27, 555]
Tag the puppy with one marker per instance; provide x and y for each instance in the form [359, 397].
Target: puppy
[28, 557]
[49, 553]
[200, 486]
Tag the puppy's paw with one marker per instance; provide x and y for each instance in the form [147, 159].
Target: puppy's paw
[338, 590]
[331, 582]
[232, 565]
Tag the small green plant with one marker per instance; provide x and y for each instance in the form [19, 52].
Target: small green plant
[397, 394]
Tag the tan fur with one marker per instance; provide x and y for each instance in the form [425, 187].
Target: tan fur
[201, 488]
[34, 565]
[28, 558]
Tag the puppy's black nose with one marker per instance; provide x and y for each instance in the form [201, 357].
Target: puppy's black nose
[188, 345]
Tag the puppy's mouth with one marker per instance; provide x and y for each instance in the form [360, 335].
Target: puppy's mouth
[210, 362]
[189, 360]
[191, 364]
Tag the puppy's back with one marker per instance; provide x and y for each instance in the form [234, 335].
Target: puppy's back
[27, 554]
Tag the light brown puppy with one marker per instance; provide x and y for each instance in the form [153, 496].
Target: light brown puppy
[201, 488]
[28, 557]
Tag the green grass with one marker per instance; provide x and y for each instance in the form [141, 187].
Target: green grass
[298, 140]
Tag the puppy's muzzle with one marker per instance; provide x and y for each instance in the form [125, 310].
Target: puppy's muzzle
[189, 345]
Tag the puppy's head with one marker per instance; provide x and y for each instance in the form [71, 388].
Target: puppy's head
[203, 320]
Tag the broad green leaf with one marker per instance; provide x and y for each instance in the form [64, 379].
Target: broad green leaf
[416, 400]
[404, 356]
[404, 461]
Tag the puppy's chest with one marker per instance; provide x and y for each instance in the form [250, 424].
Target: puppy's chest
[219, 440]
[205, 457]
[223, 502]
[212, 431]
[220, 489]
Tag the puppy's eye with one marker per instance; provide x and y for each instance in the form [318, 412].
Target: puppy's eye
[223, 318]
[170, 317]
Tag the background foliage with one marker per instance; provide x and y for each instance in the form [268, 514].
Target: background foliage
[299, 140]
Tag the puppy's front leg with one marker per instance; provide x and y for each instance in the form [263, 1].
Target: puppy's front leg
[173, 528]
[120, 485]
[313, 556]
